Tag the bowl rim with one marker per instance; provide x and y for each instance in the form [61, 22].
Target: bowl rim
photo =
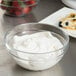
[11, 49]
[20, 6]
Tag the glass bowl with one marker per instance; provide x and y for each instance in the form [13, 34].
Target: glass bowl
[36, 61]
[18, 7]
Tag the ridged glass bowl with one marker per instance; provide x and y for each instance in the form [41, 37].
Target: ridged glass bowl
[18, 7]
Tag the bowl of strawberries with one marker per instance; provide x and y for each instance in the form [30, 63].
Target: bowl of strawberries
[18, 7]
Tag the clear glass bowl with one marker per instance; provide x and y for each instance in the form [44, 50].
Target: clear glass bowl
[18, 7]
[36, 61]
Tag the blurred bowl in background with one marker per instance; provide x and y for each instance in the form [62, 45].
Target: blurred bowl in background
[70, 3]
[18, 7]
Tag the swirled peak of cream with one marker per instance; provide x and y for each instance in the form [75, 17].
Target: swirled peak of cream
[39, 42]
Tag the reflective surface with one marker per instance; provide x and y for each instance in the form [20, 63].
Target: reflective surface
[8, 67]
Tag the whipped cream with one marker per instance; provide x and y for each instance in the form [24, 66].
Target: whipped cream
[40, 42]
[37, 43]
